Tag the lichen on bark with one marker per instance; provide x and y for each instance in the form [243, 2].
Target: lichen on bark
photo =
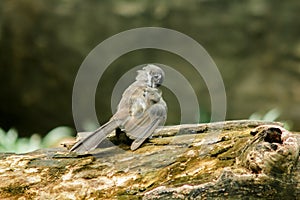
[180, 162]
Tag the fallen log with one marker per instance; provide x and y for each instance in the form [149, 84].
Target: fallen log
[232, 160]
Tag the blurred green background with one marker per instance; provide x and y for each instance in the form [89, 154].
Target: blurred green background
[255, 44]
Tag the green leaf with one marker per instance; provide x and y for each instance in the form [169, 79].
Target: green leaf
[272, 115]
[56, 135]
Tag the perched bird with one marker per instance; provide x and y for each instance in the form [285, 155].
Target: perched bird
[140, 111]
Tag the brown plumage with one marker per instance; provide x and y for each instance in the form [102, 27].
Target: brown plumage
[140, 111]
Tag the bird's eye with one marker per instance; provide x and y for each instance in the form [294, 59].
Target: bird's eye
[157, 76]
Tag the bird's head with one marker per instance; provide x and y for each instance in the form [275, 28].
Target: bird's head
[152, 75]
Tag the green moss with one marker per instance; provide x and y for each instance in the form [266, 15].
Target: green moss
[220, 149]
[15, 189]
[56, 173]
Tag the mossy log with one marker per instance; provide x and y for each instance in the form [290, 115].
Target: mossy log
[232, 160]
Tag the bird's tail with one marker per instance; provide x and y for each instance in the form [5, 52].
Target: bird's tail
[94, 139]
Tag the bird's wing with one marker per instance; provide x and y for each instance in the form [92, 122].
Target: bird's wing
[94, 139]
[144, 134]
[142, 126]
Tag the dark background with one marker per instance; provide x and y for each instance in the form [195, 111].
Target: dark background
[255, 44]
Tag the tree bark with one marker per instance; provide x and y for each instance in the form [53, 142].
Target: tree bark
[232, 160]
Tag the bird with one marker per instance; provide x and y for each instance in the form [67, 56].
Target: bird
[140, 111]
